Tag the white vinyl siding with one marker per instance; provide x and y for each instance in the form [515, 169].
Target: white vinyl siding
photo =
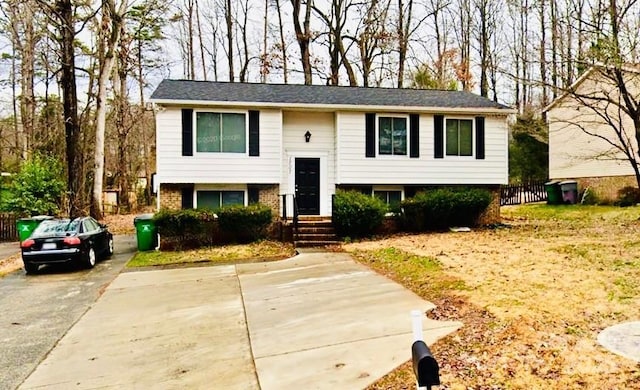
[321, 125]
[173, 167]
[355, 168]
[572, 152]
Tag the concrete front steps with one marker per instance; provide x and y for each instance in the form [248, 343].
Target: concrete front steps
[315, 231]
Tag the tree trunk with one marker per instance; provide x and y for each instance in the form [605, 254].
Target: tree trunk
[200, 41]
[403, 30]
[483, 10]
[228, 17]
[303, 36]
[543, 57]
[109, 35]
[64, 11]
[245, 43]
[27, 67]
[283, 43]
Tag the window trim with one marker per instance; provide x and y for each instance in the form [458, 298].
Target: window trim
[408, 136]
[473, 138]
[388, 188]
[221, 188]
[221, 111]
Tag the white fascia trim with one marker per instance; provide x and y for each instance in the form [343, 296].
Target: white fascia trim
[336, 107]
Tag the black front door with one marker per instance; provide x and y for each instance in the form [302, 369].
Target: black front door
[308, 185]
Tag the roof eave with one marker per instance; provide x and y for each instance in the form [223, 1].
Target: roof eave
[335, 107]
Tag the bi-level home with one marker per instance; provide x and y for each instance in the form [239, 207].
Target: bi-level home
[221, 143]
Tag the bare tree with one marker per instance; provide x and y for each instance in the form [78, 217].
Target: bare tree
[463, 35]
[373, 39]
[63, 19]
[303, 35]
[212, 17]
[108, 35]
[335, 21]
[228, 17]
[487, 11]
[405, 15]
[243, 50]
[606, 102]
[25, 37]
[283, 43]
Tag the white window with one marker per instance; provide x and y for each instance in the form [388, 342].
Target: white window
[216, 199]
[392, 136]
[459, 137]
[221, 132]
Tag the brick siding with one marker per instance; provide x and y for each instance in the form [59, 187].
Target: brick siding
[492, 213]
[270, 195]
[170, 196]
[605, 187]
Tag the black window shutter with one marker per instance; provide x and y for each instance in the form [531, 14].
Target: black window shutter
[187, 197]
[480, 137]
[438, 136]
[187, 132]
[370, 134]
[254, 194]
[254, 133]
[414, 135]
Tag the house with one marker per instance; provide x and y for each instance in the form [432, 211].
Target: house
[588, 131]
[221, 143]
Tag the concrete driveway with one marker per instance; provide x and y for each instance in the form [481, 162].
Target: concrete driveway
[37, 310]
[318, 320]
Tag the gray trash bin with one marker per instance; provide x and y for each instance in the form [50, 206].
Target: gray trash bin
[569, 190]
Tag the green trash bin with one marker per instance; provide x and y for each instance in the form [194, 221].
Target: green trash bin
[554, 193]
[26, 226]
[146, 232]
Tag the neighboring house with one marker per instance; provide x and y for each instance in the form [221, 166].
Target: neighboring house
[579, 122]
[224, 143]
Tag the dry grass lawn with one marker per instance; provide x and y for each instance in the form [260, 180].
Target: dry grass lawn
[533, 296]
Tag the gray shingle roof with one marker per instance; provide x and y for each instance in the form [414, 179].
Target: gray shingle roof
[189, 90]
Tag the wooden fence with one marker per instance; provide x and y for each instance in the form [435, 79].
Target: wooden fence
[523, 193]
[8, 230]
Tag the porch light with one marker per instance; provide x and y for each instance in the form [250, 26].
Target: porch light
[307, 136]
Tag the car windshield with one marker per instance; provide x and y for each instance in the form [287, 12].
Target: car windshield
[56, 227]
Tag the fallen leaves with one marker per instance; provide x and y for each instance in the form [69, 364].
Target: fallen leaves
[532, 298]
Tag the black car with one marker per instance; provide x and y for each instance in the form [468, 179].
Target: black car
[81, 240]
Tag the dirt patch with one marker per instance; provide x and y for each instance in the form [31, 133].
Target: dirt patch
[10, 264]
[535, 297]
[120, 224]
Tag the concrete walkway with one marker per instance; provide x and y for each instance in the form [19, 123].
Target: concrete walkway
[318, 321]
[622, 339]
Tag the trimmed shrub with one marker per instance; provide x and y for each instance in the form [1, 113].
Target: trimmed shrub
[194, 228]
[188, 228]
[356, 214]
[442, 208]
[628, 196]
[245, 224]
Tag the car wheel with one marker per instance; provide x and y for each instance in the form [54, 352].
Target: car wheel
[90, 259]
[110, 247]
[30, 268]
